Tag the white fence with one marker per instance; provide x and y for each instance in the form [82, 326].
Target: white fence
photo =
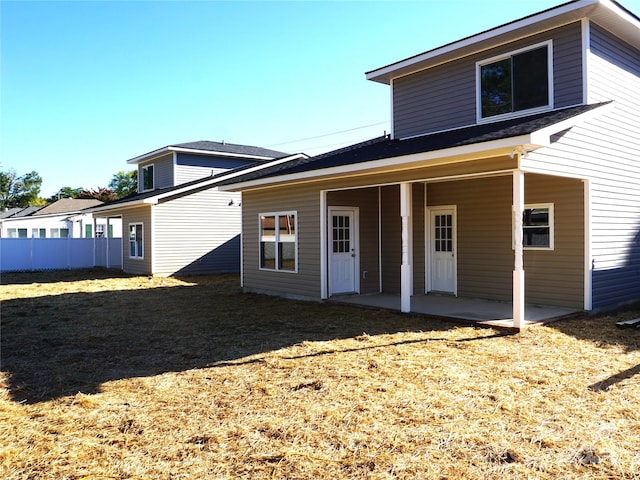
[33, 254]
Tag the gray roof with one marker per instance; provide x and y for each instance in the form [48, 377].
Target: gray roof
[383, 147]
[10, 212]
[223, 147]
[68, 205]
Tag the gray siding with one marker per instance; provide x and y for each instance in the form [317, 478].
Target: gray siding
[162, 170]
[137, 215]
[198, 234]
[367, 202]
[391, 239]
[605, 151]
[192, 167]
[305, 201]
[444, 97]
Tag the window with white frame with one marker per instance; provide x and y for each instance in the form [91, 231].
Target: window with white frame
[59, 232]
[16, 232]
[38, 233]
[516, 82]
[99, 230]
[278, 241]
[147, 178]
[537, 227]
[136, 240]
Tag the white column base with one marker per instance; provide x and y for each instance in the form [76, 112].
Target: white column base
[405, 295]
[518, 299]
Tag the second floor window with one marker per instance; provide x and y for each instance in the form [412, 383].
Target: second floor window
[147, 178]
[515, 82]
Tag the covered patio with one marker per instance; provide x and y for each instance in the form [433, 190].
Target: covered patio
[474, 310]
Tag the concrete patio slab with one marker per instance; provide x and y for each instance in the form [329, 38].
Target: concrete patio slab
[474, 310]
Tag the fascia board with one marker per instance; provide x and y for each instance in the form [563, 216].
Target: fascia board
[384, 74]
[504, 146]
[216, 153]
[148, 156]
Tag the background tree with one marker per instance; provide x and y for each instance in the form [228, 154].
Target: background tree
[65, 192]
[102, 194]
[124, 183]
[19, 191]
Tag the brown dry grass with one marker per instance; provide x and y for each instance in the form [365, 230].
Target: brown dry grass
[125, 378]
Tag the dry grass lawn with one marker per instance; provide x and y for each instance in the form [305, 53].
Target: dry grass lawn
[106, 376]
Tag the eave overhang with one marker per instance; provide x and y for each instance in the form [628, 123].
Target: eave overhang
[212, 153]
[523, 143]
[607, 13]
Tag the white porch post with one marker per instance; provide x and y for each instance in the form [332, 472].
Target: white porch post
[518, 270]
[405, 272]
[324, 291]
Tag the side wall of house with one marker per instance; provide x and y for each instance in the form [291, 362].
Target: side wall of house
[444, 97]
[136, 265]
[192, 167]
[485, 256]
[605, 151]
[198, 234]
[162, 171]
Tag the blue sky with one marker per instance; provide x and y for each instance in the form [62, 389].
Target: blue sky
[86, 85]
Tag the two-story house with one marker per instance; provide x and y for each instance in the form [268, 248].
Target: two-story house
[179, 223]
[511, 174]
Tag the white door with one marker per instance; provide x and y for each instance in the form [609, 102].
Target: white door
[442, 255]
[342, 251]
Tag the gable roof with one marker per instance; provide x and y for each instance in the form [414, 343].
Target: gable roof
[187, 188]
[531, 131]
[68, 205]
[206, 147]
[608, 13]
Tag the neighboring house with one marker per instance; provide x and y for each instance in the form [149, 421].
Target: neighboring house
[511, 174]
[61, 219]
[179, 223]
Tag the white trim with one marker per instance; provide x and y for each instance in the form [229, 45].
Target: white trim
[129, 241]
[392, 125]
[429, 244]
[379, 239]
[141, 179]
[156, 153]
[550, 207]
[588, 235]
[427, 277]
[355, 228]
[479, 150]
[205, 183]
[324, 257]
[516, 113]
[276, 238]
[585, 26]
[518, 292]
[548, 19]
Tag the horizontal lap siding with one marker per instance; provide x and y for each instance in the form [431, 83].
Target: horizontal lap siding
[198, 234]
[557, 277]
[192, 167]
[391, 239]
[605, 151]
[367, 202]
[444, 97]
[485, 258]
[306, 202]
[418, 219]
[137, 215]
[162, 171]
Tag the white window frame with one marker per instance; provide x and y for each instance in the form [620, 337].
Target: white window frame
[519, 113]
[38, 232]
[135, 240]
[153, 177]
[550, 207]
[276, 239]
[56, 232]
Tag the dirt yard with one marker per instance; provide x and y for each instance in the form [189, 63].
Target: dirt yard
[106, 376]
